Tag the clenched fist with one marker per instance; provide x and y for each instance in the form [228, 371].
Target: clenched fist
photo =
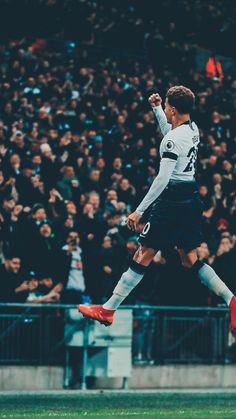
[155, 100]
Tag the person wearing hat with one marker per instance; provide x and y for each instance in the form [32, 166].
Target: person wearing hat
[222, 224]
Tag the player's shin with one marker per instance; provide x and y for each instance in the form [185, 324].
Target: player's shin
[209, 277]
[128, 281]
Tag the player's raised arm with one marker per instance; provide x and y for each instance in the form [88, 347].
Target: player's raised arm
[155, 102]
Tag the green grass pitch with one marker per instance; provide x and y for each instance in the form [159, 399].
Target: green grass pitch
[140, 405]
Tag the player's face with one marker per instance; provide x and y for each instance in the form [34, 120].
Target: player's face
[169, 111]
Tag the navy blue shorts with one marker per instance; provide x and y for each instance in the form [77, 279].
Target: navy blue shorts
[174, 220]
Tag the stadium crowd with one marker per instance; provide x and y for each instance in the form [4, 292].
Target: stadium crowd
[79, 149]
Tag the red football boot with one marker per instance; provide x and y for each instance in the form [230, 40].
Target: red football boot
[98, 313]
[232, 309]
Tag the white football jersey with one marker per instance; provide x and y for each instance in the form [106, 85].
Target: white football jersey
[181, 144]
[178, 151]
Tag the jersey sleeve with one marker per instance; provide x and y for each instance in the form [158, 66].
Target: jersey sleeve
[167, 166]
[170, 148]
[165, 127]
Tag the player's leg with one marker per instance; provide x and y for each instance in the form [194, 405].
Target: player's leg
[209, 277]
[131, 278]
[155, 235]
[128, 281]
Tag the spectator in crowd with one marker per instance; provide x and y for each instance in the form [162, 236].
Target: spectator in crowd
[49, 264]
[75, 284]
[68, 187]
[14, 287]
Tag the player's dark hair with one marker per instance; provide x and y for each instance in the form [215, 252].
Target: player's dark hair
[181, 98]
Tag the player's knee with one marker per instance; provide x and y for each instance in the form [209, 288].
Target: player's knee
[144, 256]
[188, 259]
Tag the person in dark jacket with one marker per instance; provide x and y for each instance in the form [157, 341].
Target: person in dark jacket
[13, 285]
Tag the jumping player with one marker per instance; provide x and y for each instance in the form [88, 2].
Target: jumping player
[176, 209]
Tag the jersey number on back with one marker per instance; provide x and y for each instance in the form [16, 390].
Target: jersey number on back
[192, 154]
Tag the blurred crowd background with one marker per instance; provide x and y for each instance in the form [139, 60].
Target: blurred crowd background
[79, 143]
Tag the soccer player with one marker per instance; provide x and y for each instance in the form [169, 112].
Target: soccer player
[176, 209]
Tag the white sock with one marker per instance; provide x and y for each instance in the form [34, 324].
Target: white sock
[128, 281]
[209, 278]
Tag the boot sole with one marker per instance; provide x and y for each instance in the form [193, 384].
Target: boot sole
[100, 321]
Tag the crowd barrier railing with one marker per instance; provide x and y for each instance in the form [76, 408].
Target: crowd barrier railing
[46, 334]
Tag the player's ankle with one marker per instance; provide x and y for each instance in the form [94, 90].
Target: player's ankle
[108, 309]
